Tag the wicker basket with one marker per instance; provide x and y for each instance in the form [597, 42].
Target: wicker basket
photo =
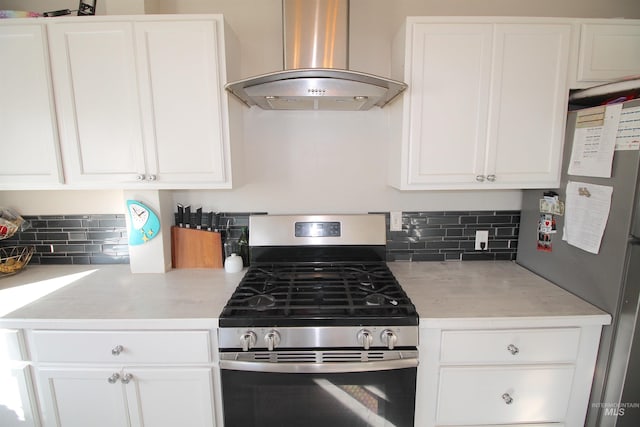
[14, 258]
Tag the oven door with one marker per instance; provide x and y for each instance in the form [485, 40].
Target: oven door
[311, 394]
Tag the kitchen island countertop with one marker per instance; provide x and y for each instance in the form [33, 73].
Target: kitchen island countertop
[110, 296]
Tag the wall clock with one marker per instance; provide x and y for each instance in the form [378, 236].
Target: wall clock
[144, 223]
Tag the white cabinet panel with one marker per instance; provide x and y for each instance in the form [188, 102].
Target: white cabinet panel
[110, 397]
[609, 50]
[141, 102]
[449, 90]
[528, 104]
[17, 402]
[171, 397]
[124, 378]
[503, 395]
[28, 133]
[182, 95]
[485, 106]
[510, 346]
[94, 74]
[82, 397]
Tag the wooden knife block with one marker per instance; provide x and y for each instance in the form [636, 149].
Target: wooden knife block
[192, 248]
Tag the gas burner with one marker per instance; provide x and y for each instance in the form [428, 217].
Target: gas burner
[379, 299]
[261, 302]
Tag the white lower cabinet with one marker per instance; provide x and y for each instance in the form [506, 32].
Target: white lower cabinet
[498, 395]
[525, 376]
[124, 378]
[17, 400]
[110, 397]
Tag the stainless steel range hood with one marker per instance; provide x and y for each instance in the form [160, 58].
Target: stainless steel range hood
[316, 75]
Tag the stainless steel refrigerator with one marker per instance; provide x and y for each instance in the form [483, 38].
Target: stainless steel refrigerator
[609, 280]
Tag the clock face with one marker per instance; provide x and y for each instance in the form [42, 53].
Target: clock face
[139, 216]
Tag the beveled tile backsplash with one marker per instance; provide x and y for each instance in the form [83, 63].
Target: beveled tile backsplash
[425, 236]
[450, 236]
[75, 239]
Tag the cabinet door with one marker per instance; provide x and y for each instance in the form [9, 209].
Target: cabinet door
[16, 396]
[449, 88]
[170, 397]
[28, 135]
[609, 51]
[181, 86]
[528, 105]
[94, 76]
[82, 397]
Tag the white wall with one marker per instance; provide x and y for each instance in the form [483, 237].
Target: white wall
[313, 161]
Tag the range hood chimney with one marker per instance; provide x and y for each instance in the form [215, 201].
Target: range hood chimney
[316, 75]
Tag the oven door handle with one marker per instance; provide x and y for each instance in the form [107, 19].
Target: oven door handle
[318, 368]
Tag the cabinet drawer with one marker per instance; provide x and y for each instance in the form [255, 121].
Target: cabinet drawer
[122, 346]
[510, 346]
[498, 395]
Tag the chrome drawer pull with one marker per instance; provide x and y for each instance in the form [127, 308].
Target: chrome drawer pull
[117, 350]
[113, 378]
[513, 349]
[507, 399]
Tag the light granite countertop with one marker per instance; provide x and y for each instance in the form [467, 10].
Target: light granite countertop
[110, 296]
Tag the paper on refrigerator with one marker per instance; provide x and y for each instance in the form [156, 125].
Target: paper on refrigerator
[587, 209]
[594, 141]
[628, 137]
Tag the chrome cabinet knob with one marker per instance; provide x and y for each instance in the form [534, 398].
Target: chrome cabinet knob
[507, 398]
[140, 177]
[248, 340]
[365, 338]
[513, 349]
[126, 378]
[113, 378]
[115, 351]
[480, 178]
[272, 339]
[491, 178]
[151, 178]
[389, 338]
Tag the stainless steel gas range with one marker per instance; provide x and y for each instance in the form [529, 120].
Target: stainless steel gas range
[318, 332]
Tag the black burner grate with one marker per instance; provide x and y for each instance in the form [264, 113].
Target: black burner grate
[319, 294]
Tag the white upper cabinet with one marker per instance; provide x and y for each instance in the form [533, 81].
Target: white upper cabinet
[182, 96]
[608, 50]
[94, 74]
[141, 103]
[28, 133]
[485, 106]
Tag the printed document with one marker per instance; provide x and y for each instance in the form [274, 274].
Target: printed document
[594, 141]
[586, 213]
[628, 137]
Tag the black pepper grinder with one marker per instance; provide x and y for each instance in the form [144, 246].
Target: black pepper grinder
[243, 246]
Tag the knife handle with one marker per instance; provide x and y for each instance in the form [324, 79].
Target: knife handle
[180, 218]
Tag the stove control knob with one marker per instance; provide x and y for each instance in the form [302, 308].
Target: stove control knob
[389, 338]
[248, 340]
[365, 338]
[272, 339]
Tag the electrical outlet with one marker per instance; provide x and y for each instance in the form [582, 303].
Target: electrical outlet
[395, 221]
[482, 240]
